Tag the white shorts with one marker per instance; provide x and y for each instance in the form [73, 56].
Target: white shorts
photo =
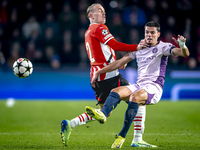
[154, 91]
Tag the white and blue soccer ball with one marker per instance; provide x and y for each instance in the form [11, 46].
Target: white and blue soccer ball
[22, 68]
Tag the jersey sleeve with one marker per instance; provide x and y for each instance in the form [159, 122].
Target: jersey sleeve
[132, 55]
[118, 46]
[103, 34]
[168, 49]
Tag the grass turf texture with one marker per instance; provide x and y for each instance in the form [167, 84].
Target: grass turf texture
[36, 125]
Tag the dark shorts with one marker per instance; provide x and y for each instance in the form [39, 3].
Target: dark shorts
[103, 88]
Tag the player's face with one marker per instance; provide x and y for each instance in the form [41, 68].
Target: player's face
[99, 15]
[151, 35]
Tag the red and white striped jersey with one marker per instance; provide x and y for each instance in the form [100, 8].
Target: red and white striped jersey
[99, 53]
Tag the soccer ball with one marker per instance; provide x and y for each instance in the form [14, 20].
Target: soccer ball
[22, 68]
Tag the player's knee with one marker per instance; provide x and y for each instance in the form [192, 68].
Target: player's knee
[117, 90]
[114, 90]
[136, 97]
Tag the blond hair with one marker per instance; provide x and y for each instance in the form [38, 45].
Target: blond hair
[90, 9]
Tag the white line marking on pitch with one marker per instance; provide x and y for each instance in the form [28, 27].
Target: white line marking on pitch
[24, 133]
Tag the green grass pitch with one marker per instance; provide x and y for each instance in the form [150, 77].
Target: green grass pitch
[36, 125]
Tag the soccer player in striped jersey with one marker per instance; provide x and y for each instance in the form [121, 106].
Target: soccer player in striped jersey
[101, 46]
[152, 63]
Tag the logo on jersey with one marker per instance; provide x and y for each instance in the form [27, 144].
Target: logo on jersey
[155, 50]
[104, 32]
[107, 36]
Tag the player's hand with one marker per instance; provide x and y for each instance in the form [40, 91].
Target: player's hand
[95, 76]
[123, 67]
[142, 44]
[181, 41]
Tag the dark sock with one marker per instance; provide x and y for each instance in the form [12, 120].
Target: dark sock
[129, 116]
[110, 103]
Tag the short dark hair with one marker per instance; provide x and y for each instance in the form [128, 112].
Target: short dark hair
[153, 24]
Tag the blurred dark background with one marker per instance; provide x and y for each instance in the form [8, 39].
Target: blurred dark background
[51, 33]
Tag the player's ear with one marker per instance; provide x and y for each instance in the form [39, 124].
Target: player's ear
[90, 15]
[158, 34]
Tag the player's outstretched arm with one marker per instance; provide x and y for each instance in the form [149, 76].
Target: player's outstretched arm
[118, 46]
[183, 50]
[113, 66]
